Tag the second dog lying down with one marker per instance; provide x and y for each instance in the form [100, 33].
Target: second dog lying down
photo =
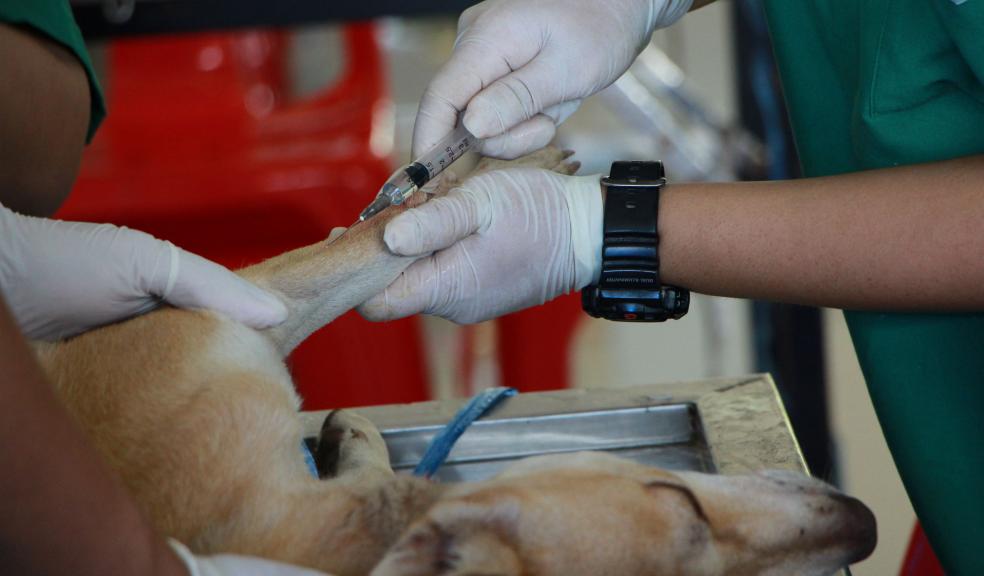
[198, 415]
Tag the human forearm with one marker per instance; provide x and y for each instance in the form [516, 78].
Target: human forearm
[44, 112]
[63, 511]
[904, 238]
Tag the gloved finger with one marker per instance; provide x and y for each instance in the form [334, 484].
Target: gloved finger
[413, 292]
[230, 565]
[440, 222]
[468, 18]
[475, 63]
[233, 565]
[531, 135]
[194, 282]
[562, 111]
[514, 98]
[527, 137]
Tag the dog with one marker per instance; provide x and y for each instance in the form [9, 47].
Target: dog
[198, 416]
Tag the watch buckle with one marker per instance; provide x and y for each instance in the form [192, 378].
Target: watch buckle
[634, 182]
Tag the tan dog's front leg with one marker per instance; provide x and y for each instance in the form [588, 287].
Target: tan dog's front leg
[549, 158]
[319, 283]
[341, 523]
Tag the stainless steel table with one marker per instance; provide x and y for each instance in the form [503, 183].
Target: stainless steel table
[729, 426]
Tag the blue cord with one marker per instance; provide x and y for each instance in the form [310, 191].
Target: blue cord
[439, 448]
[441, 445]
[309, 460]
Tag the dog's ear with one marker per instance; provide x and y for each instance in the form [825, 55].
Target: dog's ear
[659, 485]
[456, 539]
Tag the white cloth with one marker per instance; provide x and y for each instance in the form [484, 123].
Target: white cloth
[504, 241]
[521, 67]
[62, 278]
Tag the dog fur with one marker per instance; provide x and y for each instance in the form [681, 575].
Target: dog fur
[198, 416]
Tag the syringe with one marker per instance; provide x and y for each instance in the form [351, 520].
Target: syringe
[408, 179]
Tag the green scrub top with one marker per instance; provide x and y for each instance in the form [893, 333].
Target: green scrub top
[882, 83]
[53, 19]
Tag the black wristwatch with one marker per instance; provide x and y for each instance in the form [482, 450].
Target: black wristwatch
[629, 288]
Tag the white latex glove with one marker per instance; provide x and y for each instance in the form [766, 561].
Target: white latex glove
[507, 240]
[62, 278]
[232, 565]
[523, 66]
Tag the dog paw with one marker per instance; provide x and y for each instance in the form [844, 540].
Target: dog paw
[349, 442]
[548, 158]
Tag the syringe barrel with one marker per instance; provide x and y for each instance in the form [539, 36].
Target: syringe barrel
[400, 186]
[449, 149]
[407, 179]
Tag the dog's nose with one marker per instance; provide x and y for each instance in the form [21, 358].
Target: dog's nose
[858, 526]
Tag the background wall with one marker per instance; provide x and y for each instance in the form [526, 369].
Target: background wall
[867, 469]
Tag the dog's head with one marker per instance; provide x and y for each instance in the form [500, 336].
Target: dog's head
[591, 513]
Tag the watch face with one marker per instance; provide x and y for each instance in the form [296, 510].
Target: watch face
[666, 303]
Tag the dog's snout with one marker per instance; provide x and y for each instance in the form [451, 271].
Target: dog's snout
[793, 481]
[858, 525]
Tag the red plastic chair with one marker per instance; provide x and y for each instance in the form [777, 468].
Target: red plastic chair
[201, 148]
[920, 560]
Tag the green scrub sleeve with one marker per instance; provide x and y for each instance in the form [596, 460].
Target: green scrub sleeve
[53, 19]
[963, 21]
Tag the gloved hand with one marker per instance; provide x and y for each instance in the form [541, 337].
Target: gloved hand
[232, 565]
[62, 278]
[521, 67]
[507, 240]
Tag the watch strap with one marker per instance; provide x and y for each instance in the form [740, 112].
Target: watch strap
[629, 288]
[630, 249]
